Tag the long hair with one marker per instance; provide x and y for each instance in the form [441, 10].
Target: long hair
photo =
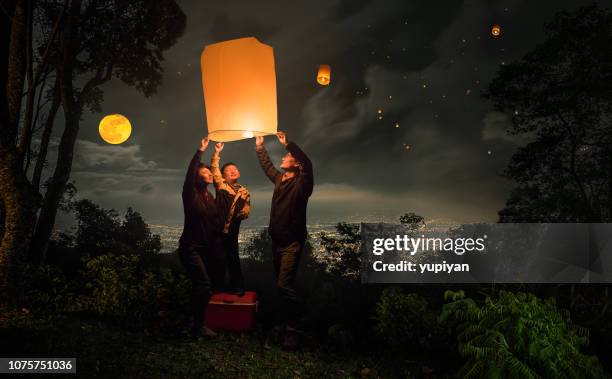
[204, 165]
[199, 181]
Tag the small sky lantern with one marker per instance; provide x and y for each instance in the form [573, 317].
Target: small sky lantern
[496, 30]
[115, 129]
[239, 81]
[324, 75]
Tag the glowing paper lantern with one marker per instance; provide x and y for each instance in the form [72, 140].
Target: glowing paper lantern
[324, 75]
[239, 83]
[115, 129]
[495, 30]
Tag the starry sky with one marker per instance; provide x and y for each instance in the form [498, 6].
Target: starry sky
[401, 128]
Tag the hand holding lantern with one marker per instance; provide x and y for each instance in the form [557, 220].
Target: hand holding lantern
[282, 138]
[218, 147]
[204, 143]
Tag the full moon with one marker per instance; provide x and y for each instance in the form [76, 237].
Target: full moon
[115, 129]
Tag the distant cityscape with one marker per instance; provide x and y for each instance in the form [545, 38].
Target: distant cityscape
[170, 234]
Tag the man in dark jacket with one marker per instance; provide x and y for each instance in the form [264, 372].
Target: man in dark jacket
[200, 248]
[292, 188]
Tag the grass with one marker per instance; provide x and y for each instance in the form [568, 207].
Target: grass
[105, 350]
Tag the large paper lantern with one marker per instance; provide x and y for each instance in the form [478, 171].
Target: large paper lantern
[239, 83]
[324, 75]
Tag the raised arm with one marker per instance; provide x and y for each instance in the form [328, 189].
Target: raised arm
[264, 160]
[306, 175]
[306, 171]
[220, 183]
[192, 169]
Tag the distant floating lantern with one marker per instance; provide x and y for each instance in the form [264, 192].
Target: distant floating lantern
[324, 75]
[239, 81]
[115, 129]
[496, 31]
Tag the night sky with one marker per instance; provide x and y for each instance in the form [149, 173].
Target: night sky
[423, 64]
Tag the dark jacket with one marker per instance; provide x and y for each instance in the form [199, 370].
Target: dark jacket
[203, 224]
[290, 198]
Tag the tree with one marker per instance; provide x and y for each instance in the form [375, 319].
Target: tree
[561, 93]
[343, 251]
[16, 194]
[97, 229]
[136, 233]
[413, 220]
[80, 45]
[100, 231]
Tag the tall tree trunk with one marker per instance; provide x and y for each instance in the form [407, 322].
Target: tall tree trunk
[46, 138]
[5, 40]
[56, 188]
[609, 187]
[15, 191]
[26, 136]
[2, 213]
[65, 153]
[19, 216]
[16, 72]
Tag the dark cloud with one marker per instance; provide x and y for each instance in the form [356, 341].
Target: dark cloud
[224, 28]
[347, 8]
[93, 155]
[146, 188]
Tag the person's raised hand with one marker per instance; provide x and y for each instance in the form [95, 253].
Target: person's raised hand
[218, 147]
[282, 138]
[259, 140]
[204, 143]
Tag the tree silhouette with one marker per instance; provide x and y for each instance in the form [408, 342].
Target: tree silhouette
[413, 220]
[62, 52]
[561, 93]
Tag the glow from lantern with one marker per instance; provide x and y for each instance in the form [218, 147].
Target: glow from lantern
[247, 134]
[495, 30]
[324, 75]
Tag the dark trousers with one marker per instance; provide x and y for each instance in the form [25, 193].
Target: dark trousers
[286, 260]
[202, 266]
[230, 247]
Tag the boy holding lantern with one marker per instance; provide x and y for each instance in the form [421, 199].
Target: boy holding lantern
[292, 188]
[233, 202]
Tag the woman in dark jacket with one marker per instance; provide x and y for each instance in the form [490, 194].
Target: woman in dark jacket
[200, 248]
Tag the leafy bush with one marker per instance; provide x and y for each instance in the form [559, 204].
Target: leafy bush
[46, 290]
[518, 336]
[405, 320]
[121, 286]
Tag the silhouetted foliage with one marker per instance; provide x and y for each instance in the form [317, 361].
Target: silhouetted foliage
[101, 231]
[413, 220]
[560, 94]
[343, 257]
[406, 317]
